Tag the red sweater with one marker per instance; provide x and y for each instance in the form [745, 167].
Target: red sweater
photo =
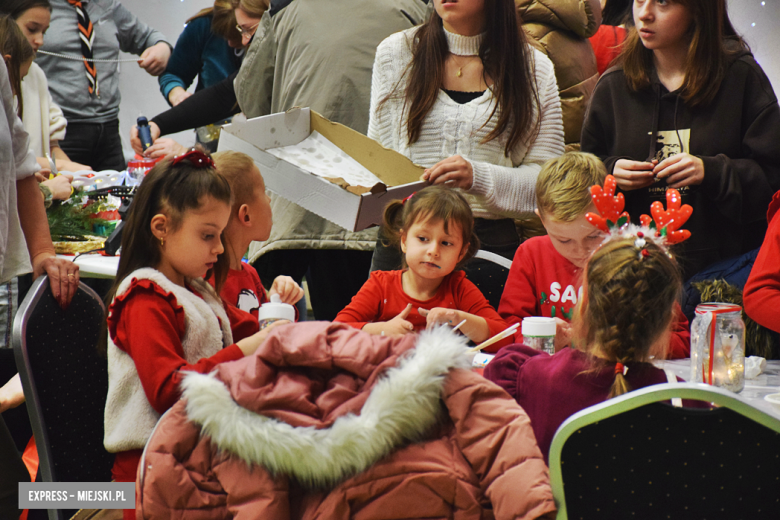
[541, 282]
[148, 323]
[382, 298]
[553, 388]
[606, 45]
[244, 290]
[762, 291]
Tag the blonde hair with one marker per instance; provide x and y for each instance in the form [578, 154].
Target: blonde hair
[628, 303]
[563, 185]
[237, 167]
[223, 20]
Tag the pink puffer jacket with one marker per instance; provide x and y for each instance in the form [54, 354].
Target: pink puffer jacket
[328, 422]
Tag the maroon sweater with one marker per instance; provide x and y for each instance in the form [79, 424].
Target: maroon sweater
[552, 388]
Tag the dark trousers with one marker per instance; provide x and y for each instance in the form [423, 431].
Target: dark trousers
[95, 144]
[333, 276]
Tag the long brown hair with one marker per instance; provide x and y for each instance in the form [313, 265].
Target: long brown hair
[713, 42]
[172, 190]
[223, 20]
[14, 44]
[431, 203]
[628, 303]
[506, 59]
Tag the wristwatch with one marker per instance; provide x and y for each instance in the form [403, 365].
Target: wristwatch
[47, 195]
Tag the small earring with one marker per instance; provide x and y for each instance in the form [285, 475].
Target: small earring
[162, 241]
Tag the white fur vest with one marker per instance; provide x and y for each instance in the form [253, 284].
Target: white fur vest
[129, 418]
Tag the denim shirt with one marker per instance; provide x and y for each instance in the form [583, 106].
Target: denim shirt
[116, 29]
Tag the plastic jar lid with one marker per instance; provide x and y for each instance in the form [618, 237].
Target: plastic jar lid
[276, 310]
[538, 326]
[717, 307]
[141, 163]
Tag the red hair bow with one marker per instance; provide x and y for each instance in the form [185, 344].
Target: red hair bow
[196, 158]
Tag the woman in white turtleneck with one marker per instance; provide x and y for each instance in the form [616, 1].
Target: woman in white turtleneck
[465, 96]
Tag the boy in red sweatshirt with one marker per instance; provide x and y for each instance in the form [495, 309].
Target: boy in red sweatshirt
[545, 277]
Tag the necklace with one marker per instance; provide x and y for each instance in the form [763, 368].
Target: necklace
[463, 46]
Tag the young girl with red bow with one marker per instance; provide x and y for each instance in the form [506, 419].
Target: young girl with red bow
[164, 319]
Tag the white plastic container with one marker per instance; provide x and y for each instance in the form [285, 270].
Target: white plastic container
[539, 333]
[275, 310]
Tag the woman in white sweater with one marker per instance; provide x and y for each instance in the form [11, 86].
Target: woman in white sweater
[465, 96]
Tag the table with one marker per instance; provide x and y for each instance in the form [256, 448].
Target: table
[755, 389]
[94, 265]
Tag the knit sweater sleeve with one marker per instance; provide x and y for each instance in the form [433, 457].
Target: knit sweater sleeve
[512, 189]
[471, 300]
[365, 306]
[186, 59]
[519, 297]
[392, 57]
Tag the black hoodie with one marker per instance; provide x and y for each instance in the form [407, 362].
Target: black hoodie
[737, 136]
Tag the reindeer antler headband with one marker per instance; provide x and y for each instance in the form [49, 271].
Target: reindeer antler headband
[663, 228]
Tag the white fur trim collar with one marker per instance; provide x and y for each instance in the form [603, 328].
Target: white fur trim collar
[402, 406]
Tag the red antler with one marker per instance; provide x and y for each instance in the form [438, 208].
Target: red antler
[608, 205]
[670, 219]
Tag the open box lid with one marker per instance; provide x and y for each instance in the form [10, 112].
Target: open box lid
[352, 207]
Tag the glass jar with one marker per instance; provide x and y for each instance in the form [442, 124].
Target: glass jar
[539, 333]
[137, 169]
[718, 346]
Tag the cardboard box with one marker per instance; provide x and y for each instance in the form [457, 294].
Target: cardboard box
[351, 207]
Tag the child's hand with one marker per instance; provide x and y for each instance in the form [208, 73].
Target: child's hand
[439, 315]
[398, 326]
[250, 344]
[289, 291]
[563, 334]
[632, 175]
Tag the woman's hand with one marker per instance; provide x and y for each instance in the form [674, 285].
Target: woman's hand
[177, 95]
[63, 276]
[135, 141]
[454, 171]
[398, 326]
[249, 345]
[60, 186]
[163, 147]
[563, 334]
[682, 169]
[632, 175]
[288, 291]
[155, 58]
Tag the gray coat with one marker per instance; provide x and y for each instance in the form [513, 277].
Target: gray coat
[320, 55]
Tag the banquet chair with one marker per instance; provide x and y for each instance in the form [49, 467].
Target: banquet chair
[635, 456]
[65, 383]
[488, 271]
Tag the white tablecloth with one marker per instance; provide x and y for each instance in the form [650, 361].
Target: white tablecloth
[755, 389]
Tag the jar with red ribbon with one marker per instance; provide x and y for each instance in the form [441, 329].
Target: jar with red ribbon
[718, 346]
[137, 169]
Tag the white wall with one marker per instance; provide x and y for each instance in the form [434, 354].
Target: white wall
[140, 91]
[757, 20]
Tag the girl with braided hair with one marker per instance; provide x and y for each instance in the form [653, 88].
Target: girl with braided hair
[623, 320]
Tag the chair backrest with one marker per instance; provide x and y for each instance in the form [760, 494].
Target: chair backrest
[65, 382]
[488, 271]
[635, 456]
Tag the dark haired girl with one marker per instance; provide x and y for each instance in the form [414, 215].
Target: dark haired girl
[689, 108]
